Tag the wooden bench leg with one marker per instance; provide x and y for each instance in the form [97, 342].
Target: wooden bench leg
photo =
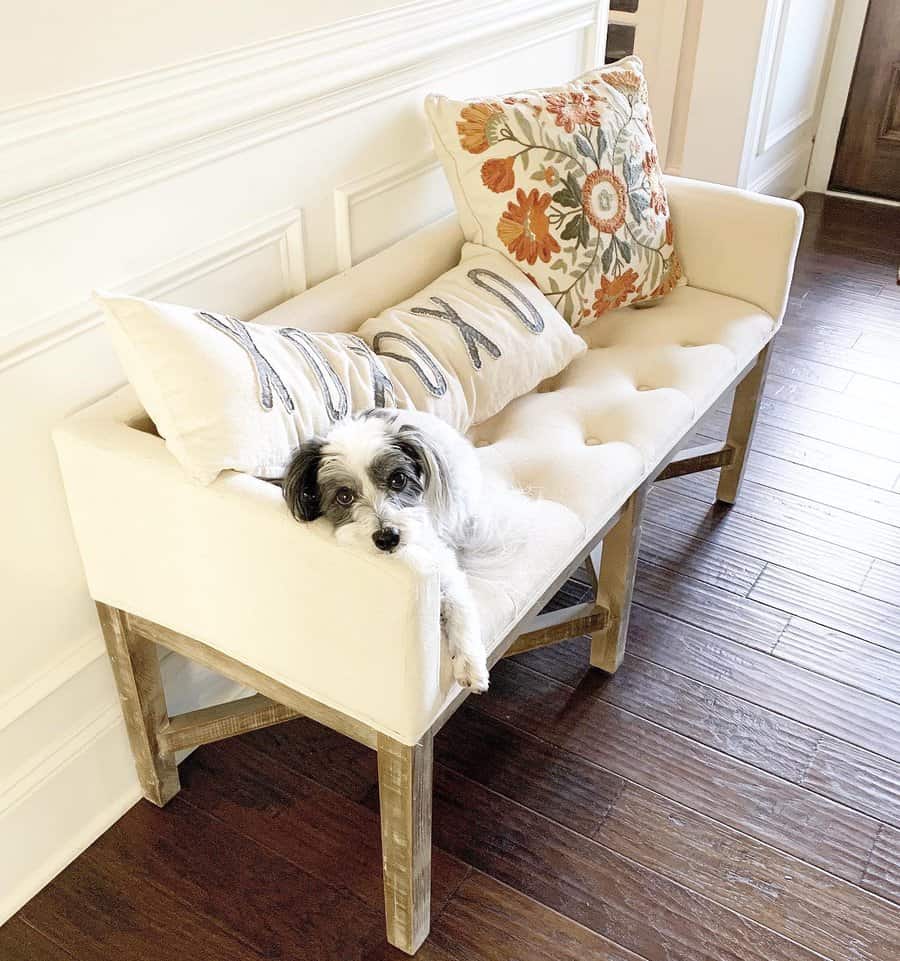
[744, 409]
[404, 789]
[618, 563]
[135, 665]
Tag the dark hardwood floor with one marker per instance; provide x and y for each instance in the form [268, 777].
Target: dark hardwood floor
[732, 794]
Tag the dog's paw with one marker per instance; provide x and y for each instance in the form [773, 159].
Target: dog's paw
[471, 674]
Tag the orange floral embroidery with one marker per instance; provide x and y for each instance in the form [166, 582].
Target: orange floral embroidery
[603, 200]
[524, 228]
[497, 175]
[523, 102]
[658, 203]
[671, 278]
[572, 194]
[613, 293]
[571, 109]
[479, 127]
[627, 81]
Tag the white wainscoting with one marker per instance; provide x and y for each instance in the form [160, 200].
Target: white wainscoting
[387, 205]
[262, 264]
[787, 95]
[229, 182]
[63, 785]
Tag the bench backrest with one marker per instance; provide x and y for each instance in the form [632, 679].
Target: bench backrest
[346, 300]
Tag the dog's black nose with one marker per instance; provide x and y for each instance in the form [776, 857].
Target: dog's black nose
[387, 538]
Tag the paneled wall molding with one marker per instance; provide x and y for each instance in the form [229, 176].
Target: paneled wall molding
[769, 135]
[771, 50]
[16, 790]
[73, 659]
[348, 195]
[95, 777]
[768, 182]
[89, 765]
[153, 126]
[209, 163]
[775, 135]
[283, 228]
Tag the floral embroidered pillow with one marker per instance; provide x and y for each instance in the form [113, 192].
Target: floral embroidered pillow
[566, 183]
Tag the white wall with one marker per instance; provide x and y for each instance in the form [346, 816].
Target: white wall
[225, 155]
[52, 47]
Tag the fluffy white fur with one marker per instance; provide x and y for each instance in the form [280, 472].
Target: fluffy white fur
[456, 512]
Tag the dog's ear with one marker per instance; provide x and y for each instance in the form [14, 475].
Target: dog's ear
[301, 481]
[430, 461]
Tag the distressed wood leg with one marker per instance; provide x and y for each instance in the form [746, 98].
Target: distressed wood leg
[136, 668]
[618, 562]
[744, 409]
[404, 789]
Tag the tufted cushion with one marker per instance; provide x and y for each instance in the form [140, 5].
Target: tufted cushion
[588, 437]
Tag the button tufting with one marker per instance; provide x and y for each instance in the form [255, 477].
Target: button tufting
[482, 443]
[592, 441]
[645, 387]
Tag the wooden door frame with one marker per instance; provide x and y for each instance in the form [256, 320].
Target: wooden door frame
[845, 50]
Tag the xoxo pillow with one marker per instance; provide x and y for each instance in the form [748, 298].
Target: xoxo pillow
[472, 341]
[226, 395]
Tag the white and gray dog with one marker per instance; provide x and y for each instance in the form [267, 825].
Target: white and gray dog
[390, 479]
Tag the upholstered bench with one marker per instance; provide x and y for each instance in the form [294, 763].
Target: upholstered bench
[223, 574]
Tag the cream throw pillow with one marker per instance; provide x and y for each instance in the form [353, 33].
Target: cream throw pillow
[478, 337]
[242, 396]
[566, 183]
[229, 395]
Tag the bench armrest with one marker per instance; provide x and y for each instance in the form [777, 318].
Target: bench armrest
[734, 242]
[227, 564]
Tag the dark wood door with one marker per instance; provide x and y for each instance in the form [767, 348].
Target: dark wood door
[868, 153]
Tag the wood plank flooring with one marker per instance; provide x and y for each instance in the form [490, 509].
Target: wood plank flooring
[732, 794]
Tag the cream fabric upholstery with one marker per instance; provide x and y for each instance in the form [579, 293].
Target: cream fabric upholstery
[226, 563]
[590, 435]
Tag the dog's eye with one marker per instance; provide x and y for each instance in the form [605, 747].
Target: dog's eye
[344, 496]
[397, 481]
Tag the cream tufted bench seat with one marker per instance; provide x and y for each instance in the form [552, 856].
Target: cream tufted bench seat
[223, 575]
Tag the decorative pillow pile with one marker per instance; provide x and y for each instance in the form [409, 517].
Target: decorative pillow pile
[566, 183]
[231, 395]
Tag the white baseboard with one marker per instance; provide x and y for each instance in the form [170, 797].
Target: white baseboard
[72, 790]
[47, 828]
[786, 178]
[867, 198]
[35, 688]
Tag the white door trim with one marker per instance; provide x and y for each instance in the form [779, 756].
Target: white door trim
[837, 89]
